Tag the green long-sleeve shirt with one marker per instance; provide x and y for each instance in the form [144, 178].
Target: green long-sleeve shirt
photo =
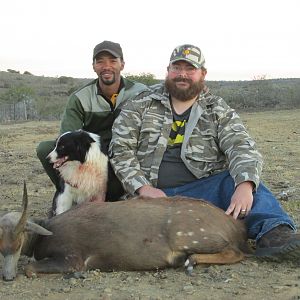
[90, 111]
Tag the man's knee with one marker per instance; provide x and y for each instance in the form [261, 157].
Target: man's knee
[42, 151]
[44, 148]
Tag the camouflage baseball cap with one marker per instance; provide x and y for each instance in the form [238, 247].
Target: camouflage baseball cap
[111, 47]
[190, 54]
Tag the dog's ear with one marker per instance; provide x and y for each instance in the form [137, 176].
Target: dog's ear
[81, 150]
[87, 137]
[94, 137]
[83, 145]
[91, 140]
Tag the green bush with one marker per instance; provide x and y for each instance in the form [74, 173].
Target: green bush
[145, 78]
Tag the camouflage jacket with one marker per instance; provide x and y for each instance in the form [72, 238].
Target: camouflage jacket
[215, 140]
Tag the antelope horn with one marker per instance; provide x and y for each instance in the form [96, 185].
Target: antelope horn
[22, 222]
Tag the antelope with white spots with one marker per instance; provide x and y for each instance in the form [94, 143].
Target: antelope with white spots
[137, 234]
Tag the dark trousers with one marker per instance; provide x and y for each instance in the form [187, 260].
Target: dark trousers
[266, 212]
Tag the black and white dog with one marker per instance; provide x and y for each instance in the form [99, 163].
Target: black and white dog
[83, 168]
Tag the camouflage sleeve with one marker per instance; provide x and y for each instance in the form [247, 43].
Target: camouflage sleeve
[245, 162]
[124, 145]
[73, 117]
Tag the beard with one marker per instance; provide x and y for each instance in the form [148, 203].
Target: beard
[184, 94]
[108, 81]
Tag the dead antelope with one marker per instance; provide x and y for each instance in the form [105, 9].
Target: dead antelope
[137, 234]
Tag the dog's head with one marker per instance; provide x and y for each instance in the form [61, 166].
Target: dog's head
[72, 146]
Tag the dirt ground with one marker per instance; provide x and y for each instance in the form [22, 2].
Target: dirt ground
[278, 136]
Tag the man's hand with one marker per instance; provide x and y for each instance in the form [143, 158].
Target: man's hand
[241, 200]
[150, 191]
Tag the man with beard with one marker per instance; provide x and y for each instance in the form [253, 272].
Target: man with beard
[179, 139]
[95, 106]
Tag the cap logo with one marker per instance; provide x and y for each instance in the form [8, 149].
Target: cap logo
[186, 52]
[190, 54]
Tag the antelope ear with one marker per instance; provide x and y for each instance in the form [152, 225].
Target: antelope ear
[30, 226]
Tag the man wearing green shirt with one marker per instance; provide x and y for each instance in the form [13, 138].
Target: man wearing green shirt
[95, 106]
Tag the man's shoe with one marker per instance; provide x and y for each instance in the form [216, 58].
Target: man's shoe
[280, 243]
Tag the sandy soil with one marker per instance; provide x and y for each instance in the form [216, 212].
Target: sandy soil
[278, 136]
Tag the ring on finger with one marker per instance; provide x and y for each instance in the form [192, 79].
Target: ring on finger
[242, 213]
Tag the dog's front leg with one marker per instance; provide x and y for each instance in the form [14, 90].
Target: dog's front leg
[64, 201]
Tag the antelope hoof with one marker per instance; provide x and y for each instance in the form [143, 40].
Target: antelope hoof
[189, 267]
[30, 273]
[76, 275]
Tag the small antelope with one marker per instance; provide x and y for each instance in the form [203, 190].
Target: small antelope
[138, 234]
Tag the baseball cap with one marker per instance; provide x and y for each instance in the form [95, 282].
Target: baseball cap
[190, 54]
[108, 46]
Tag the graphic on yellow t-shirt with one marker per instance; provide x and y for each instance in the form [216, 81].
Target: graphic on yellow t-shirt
[177, 133]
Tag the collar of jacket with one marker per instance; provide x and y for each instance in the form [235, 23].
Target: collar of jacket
[127, 83]
[204, 97]
[122, 84]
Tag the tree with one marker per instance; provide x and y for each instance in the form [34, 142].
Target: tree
[146, 78]
[17, 94]
[20, 100]
[260, 77]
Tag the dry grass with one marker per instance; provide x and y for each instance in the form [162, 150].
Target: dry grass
[277, 134]
[278, 137]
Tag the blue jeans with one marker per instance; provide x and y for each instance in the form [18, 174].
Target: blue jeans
[266, 212]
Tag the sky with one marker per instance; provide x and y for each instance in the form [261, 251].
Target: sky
[240, 39]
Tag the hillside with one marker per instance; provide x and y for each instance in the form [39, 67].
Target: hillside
[45, 96]
[38, 97]
[259, 94]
